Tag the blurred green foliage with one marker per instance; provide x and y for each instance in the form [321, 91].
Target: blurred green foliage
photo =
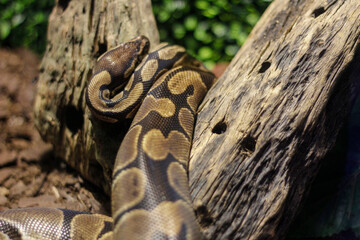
[24, 23]
[211, 30]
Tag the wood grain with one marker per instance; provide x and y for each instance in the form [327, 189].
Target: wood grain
[270, 119]
[78, 33]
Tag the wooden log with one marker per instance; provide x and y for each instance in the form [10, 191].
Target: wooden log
[78, 33]
[263, 128]
[272, 116]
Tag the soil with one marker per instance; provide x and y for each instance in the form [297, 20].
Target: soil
[29, 174]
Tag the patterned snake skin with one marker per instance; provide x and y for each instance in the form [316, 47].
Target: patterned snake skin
[161, 91]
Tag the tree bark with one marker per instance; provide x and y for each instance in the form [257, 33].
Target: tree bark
[78, 33]
[269, 120]
[262, 129]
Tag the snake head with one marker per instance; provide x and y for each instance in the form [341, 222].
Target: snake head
[121, 61]
[111, 73]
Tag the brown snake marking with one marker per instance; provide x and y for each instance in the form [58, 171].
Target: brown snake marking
[150, 193]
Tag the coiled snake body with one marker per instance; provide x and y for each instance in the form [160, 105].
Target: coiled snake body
[150, 194]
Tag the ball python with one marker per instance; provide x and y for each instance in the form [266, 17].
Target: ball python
[150, 199]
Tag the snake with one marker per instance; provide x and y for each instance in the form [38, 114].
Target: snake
[160, 90]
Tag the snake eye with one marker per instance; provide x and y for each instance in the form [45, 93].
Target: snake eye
[142, 48]
[144, 45]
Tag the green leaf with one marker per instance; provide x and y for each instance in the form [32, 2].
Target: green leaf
[201, 33]
[7, 13]
[179, 31]
[241, 38]
[224, 4]
[231, 50]
[19, 6]
[17, 20]
[5, 29]
[218, 43]
[201, 4]
[39, 17]
[191, 43]
[205, 52]
[219, 29]
[191, 23]
[252, 18]
[163, 16]
[235, 29]
[211, 12]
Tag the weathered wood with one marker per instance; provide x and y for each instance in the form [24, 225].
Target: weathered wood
[273, 115]
[263, 128]
[78, 33]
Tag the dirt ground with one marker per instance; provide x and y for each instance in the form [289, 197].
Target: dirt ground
[29, 174]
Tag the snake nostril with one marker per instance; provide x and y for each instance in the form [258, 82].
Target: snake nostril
[74, 118]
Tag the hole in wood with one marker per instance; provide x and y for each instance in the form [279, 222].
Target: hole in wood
[264, 66]
[220, 127]
[204, 215]
[249, 143]
[74, 118]
[317, 12]
[64, 4]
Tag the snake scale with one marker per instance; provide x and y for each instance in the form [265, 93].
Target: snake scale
[150, 198]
